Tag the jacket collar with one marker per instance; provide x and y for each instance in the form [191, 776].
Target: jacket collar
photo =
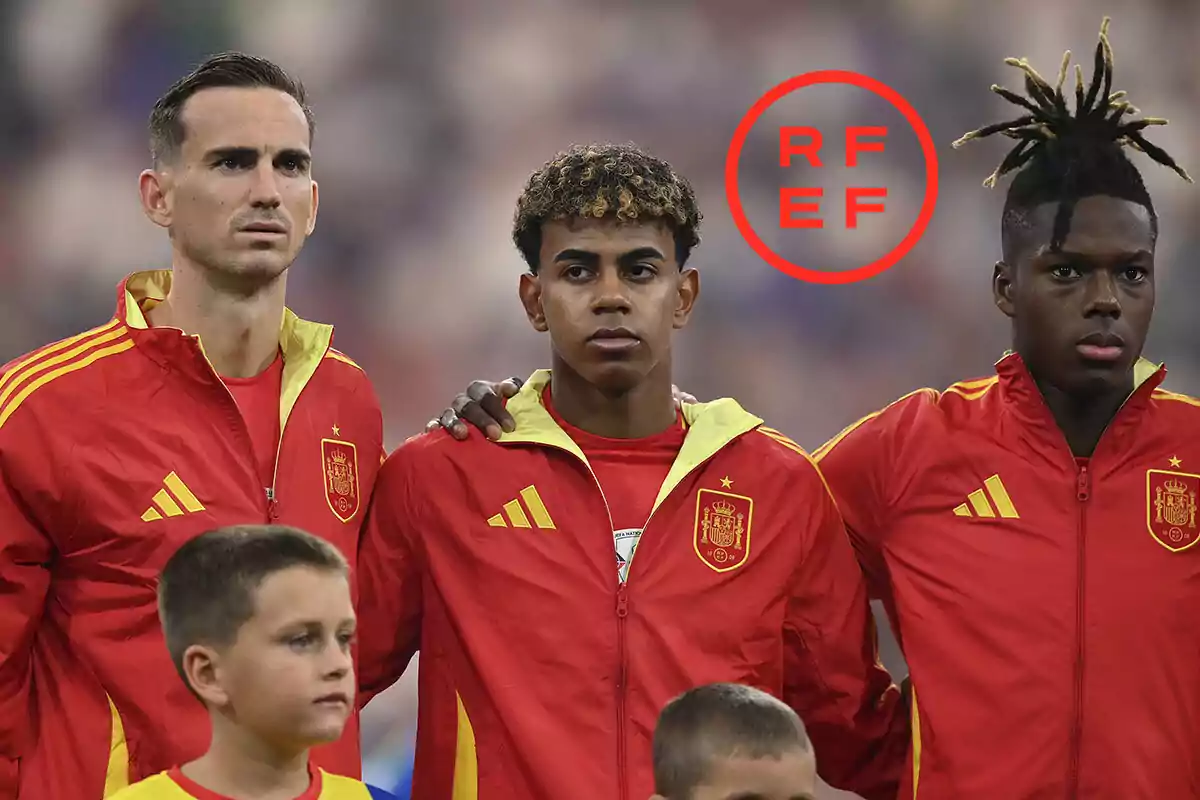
[1018, 383]
[1023, 400]
[303, 343]
[710, 427]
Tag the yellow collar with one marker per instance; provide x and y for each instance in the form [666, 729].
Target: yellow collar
[303, 343]
[711, 426]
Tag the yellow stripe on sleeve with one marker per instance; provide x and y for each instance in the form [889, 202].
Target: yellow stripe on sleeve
[466, 759]
[342, 357]
[824, 449]
[44, 360]
[1163, 394]
[117, 775]
[74, 366]
[50, 350]
[916, 743]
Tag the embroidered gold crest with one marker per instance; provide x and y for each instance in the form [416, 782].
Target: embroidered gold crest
[721, 537]
[342, 491]
[1171, 508]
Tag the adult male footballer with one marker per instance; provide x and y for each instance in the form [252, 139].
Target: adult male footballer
[614, 551]
[1033, 533]
[203, 402]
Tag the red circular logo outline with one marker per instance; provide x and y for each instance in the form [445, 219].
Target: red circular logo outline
[817, 78]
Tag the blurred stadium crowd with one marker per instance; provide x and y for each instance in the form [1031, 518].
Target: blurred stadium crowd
[430, 114]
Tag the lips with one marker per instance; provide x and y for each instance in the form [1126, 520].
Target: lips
[614, 341]
[264, 227]
[1102, 339]
[613, 333]
[336, 698]
[1101, 346]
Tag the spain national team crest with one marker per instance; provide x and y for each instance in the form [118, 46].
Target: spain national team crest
[1171, 508]
[341, 478]
[722, 534]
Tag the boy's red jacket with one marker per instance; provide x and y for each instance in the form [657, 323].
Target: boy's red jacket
[1047, 605]
[116, 446]
[542, 677]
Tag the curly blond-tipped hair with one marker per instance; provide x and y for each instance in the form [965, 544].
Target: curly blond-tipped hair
[606, 181]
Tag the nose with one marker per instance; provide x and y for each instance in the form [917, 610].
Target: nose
[337, 661]
[1103, 299]
[264, 190]
[611, 295]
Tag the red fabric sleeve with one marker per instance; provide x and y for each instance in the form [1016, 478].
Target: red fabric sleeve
[859, 465]
[390, 574]
[25, 554]
[832, 675]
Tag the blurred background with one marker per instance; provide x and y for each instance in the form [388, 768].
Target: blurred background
[431, 114]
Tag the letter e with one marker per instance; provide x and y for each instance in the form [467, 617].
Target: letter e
[788, 207]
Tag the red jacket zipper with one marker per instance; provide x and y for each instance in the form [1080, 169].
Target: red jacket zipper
[1082, 493]
[272, 505]
[622, 679]
[272, 509]
[622, 610]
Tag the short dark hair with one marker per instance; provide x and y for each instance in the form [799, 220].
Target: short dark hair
[596, 181]
[207, 590]
[224, 70]
[1064, 156]
[719, 720]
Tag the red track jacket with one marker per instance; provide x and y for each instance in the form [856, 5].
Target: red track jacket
[542, 677]
[1047, 605]
[116, 446]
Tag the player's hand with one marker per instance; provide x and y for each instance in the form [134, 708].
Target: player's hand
[481, 406]
[681, 396]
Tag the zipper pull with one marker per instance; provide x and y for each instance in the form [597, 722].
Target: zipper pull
[1081, 484]
[622, 602]
[272, 504]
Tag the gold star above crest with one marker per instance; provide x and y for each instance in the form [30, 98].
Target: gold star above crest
[1175, 462]
[337, 431]
[726, 483]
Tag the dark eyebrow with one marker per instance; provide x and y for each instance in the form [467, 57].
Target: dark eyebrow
[313, 625]
[587, 256]
[572, 254]
[222, 153]
[640, 254]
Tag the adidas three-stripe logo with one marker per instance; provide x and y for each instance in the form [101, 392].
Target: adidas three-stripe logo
[977, 504]
[514, 513]
[173, 500]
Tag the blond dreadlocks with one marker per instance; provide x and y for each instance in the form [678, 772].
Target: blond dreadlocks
[1063, 156]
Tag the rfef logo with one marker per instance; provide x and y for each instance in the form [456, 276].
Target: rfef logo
[809, 207]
